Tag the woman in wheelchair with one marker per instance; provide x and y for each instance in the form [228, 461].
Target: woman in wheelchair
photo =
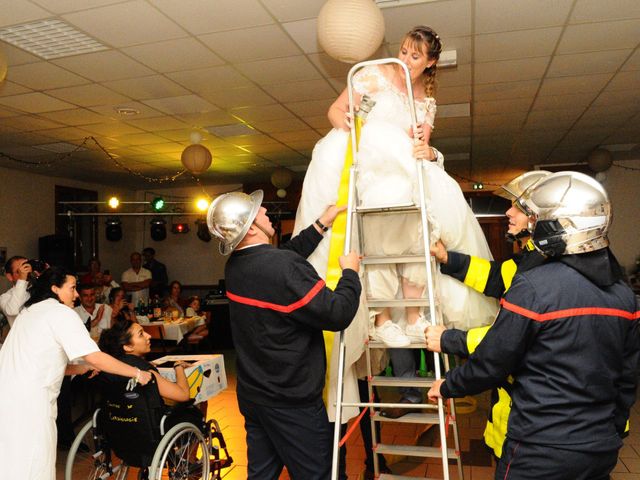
[139, 427]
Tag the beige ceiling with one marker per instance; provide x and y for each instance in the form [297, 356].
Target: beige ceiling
[547, 81]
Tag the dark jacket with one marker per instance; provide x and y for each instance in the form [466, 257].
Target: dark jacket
[279, 307]
[568, 333]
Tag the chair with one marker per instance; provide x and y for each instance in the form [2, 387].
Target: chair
[135, 429]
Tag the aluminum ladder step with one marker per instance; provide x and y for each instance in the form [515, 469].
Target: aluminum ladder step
[384, 209]
[415, 451]
[391, 476]
[390, 259]
[421, 418]
[398, 302]
[413, 344]
[419, 382]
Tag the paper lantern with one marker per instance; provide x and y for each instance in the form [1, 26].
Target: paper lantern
[3, 66]
[281, 193]
[350, 30]
[196, 158]
[281, 178]
[599, 160]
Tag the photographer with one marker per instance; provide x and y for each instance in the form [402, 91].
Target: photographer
[17, 270]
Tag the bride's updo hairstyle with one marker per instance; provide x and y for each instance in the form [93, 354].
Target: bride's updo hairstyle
[426, 39]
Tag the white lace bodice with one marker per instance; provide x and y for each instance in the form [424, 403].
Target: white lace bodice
[391, 104]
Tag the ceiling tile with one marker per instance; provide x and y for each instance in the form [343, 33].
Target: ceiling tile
[305, 34]
[593, 11]
[43, 75]
[266, 112]
[304, 90]
[182, 104]
[206, 119]
[34, 102]
[499, 106]
[321, 123]
[9, 88]
[330, 67]
[283, 125]
[287, 10]
[633, 63]
[110, 129]
[248, 44]
[517, 44]
[239, 97]
[617, 97]
[88, 95]
[28, 123]
[301, 135]
[140, 139]
[104, 66]
[204, 16]
[501, 16]
[266, 72]
[14, 13]
[174, 55]
[310, 108]
[553, 118]
[574, 84]
[110, 111]
[67, 133]
[75, 117]
[595, 37]
[514, 70]
[210, 79]
[157, 123]
[625, 81]
[66, 6]
[554, 102]
[17, 56]
[505, 90]
[124, 24]
[587, 63]
[155, 86]
[449, 19]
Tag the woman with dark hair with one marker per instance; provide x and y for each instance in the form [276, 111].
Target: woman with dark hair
[128, 342]
[45, 337]
[173, 301]
[121, 310]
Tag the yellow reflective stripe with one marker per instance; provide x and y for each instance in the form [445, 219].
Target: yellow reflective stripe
[626, 427]
[496, 431]
[508, 271]
[475, 336]
[478, 274]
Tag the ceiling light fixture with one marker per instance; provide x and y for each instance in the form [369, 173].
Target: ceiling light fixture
[126, 111]
[50, 39]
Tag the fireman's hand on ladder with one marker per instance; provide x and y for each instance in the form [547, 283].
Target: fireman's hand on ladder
[352, 261]
[434, 391]
[433, 335]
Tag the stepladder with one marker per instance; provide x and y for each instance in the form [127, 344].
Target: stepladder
[392, 235]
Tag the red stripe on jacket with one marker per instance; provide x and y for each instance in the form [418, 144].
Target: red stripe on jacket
[569, 312]
[274, 306]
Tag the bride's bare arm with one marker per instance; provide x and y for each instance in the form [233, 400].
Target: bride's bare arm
[339, 110]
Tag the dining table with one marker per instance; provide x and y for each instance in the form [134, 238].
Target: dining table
[176, 329]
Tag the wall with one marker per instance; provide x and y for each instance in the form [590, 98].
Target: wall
[27, 212]
[623, 187]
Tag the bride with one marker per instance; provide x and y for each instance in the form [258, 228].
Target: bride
[387, 157]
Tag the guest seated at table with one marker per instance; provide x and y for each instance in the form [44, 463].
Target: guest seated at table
[121, 310]
[201, 331]
[128, 342]
[174, 300]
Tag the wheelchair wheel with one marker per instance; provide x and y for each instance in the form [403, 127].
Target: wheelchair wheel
[182, 454]
[88, 458]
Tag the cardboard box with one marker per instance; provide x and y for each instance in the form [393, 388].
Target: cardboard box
[206, 376]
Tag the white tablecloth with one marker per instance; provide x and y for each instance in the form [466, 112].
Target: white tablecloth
[177, 330]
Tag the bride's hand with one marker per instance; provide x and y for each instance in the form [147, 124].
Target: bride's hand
[422, 151]
[348, 120]
[418, 133]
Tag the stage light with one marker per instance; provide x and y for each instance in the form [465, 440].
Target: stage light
[478, 186]
[157, 204]
[158, 229]
[202, 204]
[203, 230]
[180, 228]
[113, 229]
[114, 202]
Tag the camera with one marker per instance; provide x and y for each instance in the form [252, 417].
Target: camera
[37, 266]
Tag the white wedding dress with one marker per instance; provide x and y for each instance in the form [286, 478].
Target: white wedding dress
[387, 175]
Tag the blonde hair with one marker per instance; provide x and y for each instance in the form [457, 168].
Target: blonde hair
[426, 39]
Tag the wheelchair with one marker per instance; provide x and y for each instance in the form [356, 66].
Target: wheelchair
[135, 429]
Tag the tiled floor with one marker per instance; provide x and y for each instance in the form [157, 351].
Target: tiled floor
[478, 464]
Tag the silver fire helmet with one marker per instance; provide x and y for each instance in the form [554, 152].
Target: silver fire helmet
[513, 189]
[573, 214]
[230, 216]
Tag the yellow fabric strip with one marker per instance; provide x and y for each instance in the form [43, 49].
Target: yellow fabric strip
[336, 246]
[475, 336]
[478, 274]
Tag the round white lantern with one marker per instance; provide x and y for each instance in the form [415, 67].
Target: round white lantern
[281, 178]
[281, 193]
[599, 160]
[196, 158]
[3, 66]
[350, 30]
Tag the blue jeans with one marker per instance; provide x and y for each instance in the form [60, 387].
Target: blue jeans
[404, 366]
